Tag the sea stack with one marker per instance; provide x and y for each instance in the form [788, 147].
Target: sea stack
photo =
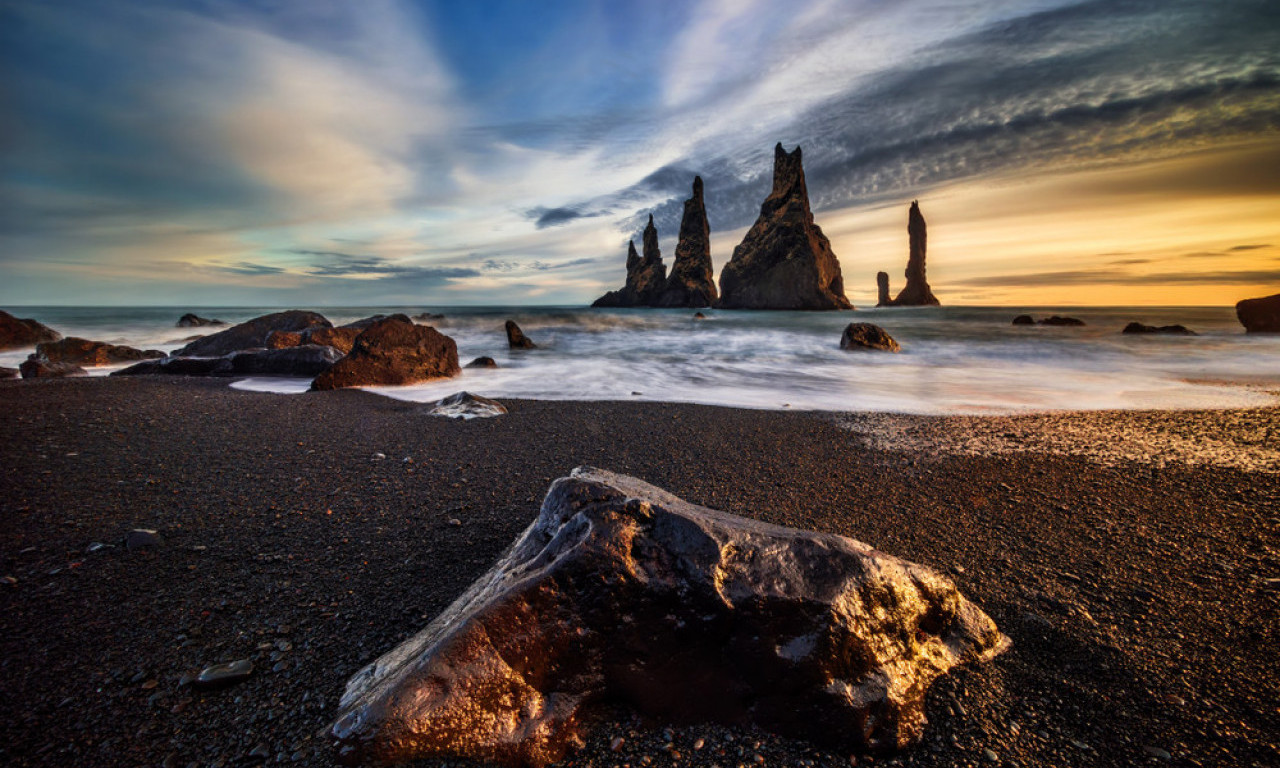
[691, 283]
[916, 293]
[646, 277]
[784, 262]
[882, 290]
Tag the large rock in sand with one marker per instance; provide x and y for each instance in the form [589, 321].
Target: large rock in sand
[867, 336]
[252, 334]
[84, 352]
[393, 352]
[1260, 315]
[16, 332]
[784, 262]
[621, 593]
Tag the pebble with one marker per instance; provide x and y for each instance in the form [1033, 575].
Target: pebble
[222, 675]
[990, 756]
[142, 538]
[1157, 752]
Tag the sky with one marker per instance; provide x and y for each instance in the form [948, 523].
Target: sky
[388, 152]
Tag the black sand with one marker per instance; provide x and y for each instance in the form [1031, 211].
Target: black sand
[1142, 600]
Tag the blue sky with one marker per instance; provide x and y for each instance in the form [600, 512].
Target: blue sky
[321, 153]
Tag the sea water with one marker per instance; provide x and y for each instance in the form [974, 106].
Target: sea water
[953, 360]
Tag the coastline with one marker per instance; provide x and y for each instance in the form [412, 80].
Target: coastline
[1139, 594]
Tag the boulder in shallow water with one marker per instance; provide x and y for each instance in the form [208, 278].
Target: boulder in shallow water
[84, 352]
[1024, 320]
[36, 367]
[1260, 315]
[192, 320]
[17, 332]
[867, 336]
[464, 405]
[252, 334]
[621, 593]
[393, 352]
[482, 362]
[516, 338]
[1059, 320]
[1176, 330]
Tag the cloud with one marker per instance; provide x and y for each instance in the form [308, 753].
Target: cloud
[248, 268]
[1235, 248]
[1113, 277]
[554, 217]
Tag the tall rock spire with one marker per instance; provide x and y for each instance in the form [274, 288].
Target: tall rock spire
[646, 277]
[882, 290]
[691, 283]
[784, 262]
[916, 292]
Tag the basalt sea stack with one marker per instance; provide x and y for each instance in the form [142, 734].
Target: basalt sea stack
[784, 262]
[916, 293]
[691, 283]
[622, 594]
[1260, 315]
[646, 277]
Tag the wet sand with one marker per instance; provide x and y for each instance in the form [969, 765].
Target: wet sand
[1139, 586]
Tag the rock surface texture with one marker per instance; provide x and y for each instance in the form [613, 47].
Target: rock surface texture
[1258, 315]
[646, 276]
[916, 293]
[393, 352]
[252, 334]
[17, 332]
[867, 336]
[84, 352]
[516, 338]
[784, 262]
[621, 593]
[691, 283]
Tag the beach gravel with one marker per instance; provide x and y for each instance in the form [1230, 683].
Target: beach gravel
[308, 534]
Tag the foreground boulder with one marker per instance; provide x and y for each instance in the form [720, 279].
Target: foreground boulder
[252, 334]
[17, 332]
[192, 320]
[646, 277]
[867, 336]
[84, 352]
[482, 362]
[36, 367]
[9, 373]
[784, 262]
[691, 283]
[621, 593]
[464, 405]
[1177, 330]
[516, 338]
[393, 352]
[306, 361]
[1260, 315]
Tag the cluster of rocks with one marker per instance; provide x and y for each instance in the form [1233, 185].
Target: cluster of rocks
[1133, 328]
[1057, 320]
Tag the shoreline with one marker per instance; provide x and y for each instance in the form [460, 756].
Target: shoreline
[1137, 594]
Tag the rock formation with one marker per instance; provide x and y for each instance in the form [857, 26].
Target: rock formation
[784, 262]
[867, 336]
[1023, 320]
[252, 334]
[516, 338]
[646, 277]
[16, 332]
[916, 292]
[622, 594]
[1060, 320]
[307, 361]
[36, 367]
[882, 290]
[192, 320]
[1177, 330]
[464, 405]
[84, 352]
[1260, 315]
[393, 352]
[691, 283]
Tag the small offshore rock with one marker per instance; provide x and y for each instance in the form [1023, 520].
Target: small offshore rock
[192, 320]
[142, 538]
[224, 675]
[1139, 328]
[465, 405]
[1061, 321]
[858, 336]
[1024, 320]
[516, 338]
[482, 362]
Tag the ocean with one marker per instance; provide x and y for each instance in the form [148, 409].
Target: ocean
[954, 360]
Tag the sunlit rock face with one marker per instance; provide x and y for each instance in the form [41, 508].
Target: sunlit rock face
[784, 261]
[620, 592]
[252, 334]
[392, 352]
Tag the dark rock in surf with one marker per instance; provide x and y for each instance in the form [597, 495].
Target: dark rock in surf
[180, 366]
[9, 373]
[1062, 321]
[308, 360]
[882, 290]
[784, 262]
[192, 320]
[646, 277]
[862, 336]
[516, 338]
[252, 334]
[916, 293]
[1024, 320]
[622, 594]
[1260, 315]
[691, 283]
[1177, 330]
[84, 352]
[36, 367]
[482, 362]
[16, 332]
[699, 316]
[393, 352]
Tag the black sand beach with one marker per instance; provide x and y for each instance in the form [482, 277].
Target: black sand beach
[1140, 593]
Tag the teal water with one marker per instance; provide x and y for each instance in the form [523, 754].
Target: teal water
[954, 359]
